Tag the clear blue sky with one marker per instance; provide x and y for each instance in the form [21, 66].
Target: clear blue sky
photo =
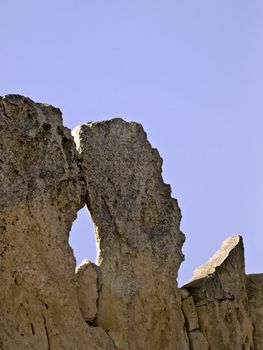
[190, 71]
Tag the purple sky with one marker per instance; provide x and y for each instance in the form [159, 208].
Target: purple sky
[190, 71]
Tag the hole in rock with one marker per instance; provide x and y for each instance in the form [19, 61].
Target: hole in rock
[82, 237]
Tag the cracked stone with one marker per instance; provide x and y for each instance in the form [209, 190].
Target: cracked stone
[138, 233]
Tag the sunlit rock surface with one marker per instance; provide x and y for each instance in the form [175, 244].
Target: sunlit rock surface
[40, 194]
[220, 297]
[137, 226]
[129, 300]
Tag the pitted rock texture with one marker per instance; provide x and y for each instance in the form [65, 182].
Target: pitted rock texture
[137, 227]
[255, 299]
[190, 314]
[198, 341]
[220, 296]
[130, 299]
[88, 288]
[40, 194]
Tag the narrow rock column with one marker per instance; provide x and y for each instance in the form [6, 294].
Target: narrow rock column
[138, 235]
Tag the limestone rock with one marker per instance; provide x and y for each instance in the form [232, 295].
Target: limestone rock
[198, 341]
[87, 283]
[130, 300]
[184, 293]
[219, 291]
[255, 299]
[137, 227]
[40, 194]
[190, 314]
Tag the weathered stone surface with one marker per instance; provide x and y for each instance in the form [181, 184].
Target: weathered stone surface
[198, 341]
[184, 293]
[255, 299]
[137, 227]
[87, 283]
[131, 300]
[219, 291]
[190, 314]
[40, 194]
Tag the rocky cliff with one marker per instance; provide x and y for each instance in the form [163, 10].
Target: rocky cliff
[130, 299]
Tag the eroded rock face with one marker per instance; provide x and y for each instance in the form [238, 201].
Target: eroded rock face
[137, 226]
[219, 292]
[198, 341]
[130, 300]
[255, 299]
[40, 194]
[88, 288]
[190, 314]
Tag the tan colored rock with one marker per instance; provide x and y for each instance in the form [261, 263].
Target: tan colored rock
[184, 293]
[137, 227]
[87, 283]
[219, 291]
[255, 299]
[131, 300]
[40, 194]
[198, 341]
[190, 314]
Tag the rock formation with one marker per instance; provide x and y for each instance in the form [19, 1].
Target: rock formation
[220, 299]
[137, 227]
[255, 301]
[130, 299]
[40, 194]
